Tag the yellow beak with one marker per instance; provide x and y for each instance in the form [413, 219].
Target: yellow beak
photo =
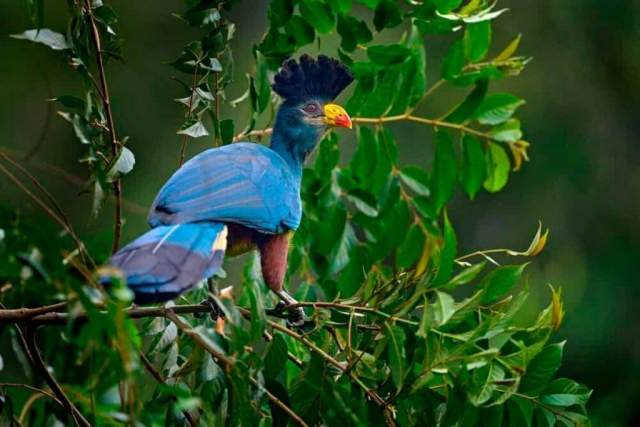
[335, 115]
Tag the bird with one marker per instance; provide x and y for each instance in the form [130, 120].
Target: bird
[239, 197]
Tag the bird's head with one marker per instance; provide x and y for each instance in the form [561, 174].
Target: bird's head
[308, 88]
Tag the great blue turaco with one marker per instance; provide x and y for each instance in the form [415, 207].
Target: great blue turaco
[238, 197]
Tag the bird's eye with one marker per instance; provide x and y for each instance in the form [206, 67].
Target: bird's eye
[311, 108]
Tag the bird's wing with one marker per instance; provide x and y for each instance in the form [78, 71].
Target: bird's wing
[242, 183]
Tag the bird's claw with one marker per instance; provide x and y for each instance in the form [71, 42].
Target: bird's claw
[214, 309]
[296, 318]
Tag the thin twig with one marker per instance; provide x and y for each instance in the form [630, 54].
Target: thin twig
[47, 209]
[34, 351]
[34, 389]
[423, 120]
[47, 118]
[253, 133]
[71, 179]
[104, 93]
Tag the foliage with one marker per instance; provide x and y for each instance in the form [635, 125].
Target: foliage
[406, 332]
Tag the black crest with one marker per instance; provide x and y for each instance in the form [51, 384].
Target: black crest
[323, 78]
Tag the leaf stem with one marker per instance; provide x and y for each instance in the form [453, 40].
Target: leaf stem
[104, 94]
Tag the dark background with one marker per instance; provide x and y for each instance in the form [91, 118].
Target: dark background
[583, 181]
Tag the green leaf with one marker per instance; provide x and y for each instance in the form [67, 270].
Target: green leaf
[226, 131]
[301, 30]
[465, 276]
[390, 54]
[542, 368]
[499, 282]
[498, 168]
[416, 179]
[507, 132]
[474, 165]
[468, 107]
[387, 15]
[454, 61]
[444, 169]
[276, 358]
[80, 126]
[411, 248]
[442, 308]
[261, 85]
[280, 12]
[508, 51]
[520, 411]
[71, 102]
[395, 350]
[340, 6]
[484, 378]
[447, 254]
[419, 79]
[497, 108]
[352, 32]
[55, 41]
[318, 14]
[363, 201]
[565, 392]
[477, 39]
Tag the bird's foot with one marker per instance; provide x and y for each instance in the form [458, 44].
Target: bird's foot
[214, 309]
[295, 317]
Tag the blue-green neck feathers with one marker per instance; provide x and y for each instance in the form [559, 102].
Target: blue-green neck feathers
[298, 83]
[293, 139]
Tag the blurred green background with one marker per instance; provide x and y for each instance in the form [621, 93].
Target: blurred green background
[583, 181]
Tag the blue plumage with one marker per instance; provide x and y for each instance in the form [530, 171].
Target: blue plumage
[169, 259]
[246, 189]
[243, 183]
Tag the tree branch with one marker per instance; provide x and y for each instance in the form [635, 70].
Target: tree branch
[423, 120]
[22, 314]
[254, 133]
[104, 93]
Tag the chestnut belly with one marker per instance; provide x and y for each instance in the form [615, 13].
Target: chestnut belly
[241, 239]
[273, 249]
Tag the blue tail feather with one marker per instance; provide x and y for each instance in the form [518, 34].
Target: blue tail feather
[170, 259]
